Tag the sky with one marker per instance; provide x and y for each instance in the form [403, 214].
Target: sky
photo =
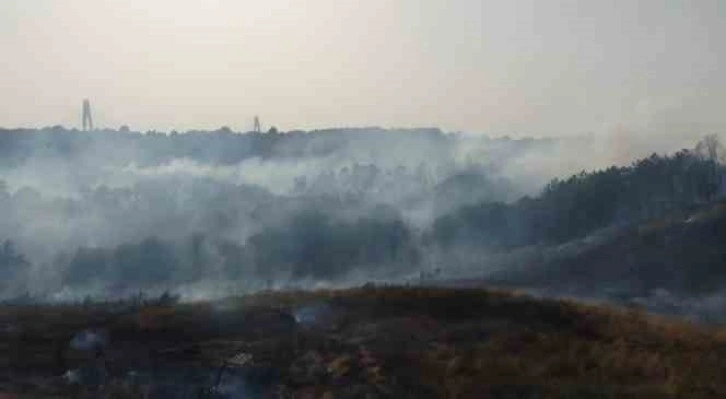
[517, 67]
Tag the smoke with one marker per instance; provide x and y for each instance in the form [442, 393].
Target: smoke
[207, 214]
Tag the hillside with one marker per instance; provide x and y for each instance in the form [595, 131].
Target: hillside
[366, 342]
[681, 254]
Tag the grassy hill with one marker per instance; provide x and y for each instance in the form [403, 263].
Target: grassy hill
[366, 342]
[682, 253]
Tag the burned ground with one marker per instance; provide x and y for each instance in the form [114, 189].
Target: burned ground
[366, 342]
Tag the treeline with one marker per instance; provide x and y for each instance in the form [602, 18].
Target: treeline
[576, 206]
[313, 243]
[308, 245]
[222, 146]
[412, 196]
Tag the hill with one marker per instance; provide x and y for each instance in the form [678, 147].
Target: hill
[666, 259]
[365, 342]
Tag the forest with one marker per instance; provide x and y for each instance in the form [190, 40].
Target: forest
[120, 212]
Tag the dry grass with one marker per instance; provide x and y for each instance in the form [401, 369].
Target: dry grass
[405, 342]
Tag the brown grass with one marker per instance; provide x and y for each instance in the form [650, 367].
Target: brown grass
[412, 342]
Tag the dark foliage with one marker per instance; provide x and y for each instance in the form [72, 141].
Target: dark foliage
[585, 202]
[11, 261]
[311, 244]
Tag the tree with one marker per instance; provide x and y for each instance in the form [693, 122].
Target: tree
[11, 261]
[148, 262]
[710, 148]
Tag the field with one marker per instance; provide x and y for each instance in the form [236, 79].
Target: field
[367, 342]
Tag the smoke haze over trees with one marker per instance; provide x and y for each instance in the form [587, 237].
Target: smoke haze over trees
[117, 212]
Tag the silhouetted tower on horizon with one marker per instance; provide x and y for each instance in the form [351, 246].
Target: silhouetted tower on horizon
[256, 127]
[87, 118]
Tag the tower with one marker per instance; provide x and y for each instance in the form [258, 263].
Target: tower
[257, 128]
[87, 118]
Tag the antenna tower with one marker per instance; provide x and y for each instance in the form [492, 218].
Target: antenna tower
[87, 118]
[257, 128]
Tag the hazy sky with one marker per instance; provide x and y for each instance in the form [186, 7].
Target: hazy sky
[516, 66]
